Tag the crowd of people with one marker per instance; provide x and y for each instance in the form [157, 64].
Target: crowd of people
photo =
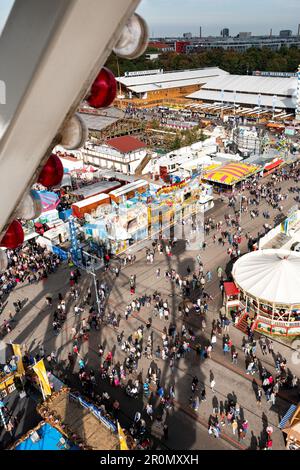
[29, 264]
[178, 337]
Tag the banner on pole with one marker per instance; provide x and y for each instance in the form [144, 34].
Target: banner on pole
[40, 370]
[122, 438]
[18, 354]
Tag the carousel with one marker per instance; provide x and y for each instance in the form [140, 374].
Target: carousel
[269, 284]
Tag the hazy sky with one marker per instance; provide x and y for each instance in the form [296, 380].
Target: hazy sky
[5, 6]
[175, 17]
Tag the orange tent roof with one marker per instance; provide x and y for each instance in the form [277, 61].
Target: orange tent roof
[231, 173]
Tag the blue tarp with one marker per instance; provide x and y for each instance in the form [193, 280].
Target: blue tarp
[60, 252]
[49, 440]
[287, 416]
[64, 215]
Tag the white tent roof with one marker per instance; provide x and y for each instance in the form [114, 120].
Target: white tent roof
[251, 84]
[270, 275]
[245, 89]
[242, 98]
[166, 85]
[206, 73]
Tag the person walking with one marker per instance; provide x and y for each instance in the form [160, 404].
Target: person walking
[269, 444]
[234, 426]
[270, 346]
[149, 411]
[203, 395]
[166, 431]
[273, 398]
[269, 431]
[212, 384]
[245, 426]
[263, 345]
[259, 396]
[234, 357]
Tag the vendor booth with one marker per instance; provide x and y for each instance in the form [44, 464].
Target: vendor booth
[227, 176]
[290, 425]
[231, 300]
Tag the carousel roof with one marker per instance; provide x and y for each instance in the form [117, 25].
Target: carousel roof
[270, 275]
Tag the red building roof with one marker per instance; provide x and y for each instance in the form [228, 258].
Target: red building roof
[125, 144]
[160, 45]
[230, 289]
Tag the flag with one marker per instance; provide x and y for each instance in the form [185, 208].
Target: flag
[18, 354]
[259, 100]
[122, 438]
[7, 350]
[40, 370]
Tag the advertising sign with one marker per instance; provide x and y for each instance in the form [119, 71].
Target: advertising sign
[143, 72]
[258, 73]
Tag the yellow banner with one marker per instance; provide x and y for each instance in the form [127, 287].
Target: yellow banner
[122, 438]
[7, 382]
[40, 370]
[18, 354]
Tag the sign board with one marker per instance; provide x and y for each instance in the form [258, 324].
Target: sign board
[63, 255]
[143, 72]
[258, 73]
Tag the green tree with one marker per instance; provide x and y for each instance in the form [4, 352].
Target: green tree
[176, 143]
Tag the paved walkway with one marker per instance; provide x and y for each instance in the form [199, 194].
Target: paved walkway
[187, 429]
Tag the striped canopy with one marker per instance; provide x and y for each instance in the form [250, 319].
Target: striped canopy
[230, 174]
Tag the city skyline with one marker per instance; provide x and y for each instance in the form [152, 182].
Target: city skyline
[259, 16]
[173, 18]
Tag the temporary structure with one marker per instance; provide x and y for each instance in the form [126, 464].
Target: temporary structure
[230, 174]
[270, 275]
[292, 428]
[269, 281]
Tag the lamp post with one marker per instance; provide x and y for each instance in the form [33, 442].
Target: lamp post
[241, 199]
[274, 105]
[259, 105]
[222, 99]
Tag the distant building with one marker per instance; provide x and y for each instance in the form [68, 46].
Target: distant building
[275, 43]
[161, 46]
[285, 33]
[180, 46]
[244, 35]
[120, 153]
[187, 35]
[156, 87]
[152, 56]
[245, 90]
[225, 33]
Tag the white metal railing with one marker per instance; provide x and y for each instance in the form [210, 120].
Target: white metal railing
[267, 319]
[278, 322]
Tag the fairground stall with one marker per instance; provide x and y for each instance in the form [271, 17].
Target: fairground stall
[226, 177]
[141, 210]
[231, 297]
[269, 282]
[290, 425]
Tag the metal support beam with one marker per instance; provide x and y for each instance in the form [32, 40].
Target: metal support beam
[50, 52]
